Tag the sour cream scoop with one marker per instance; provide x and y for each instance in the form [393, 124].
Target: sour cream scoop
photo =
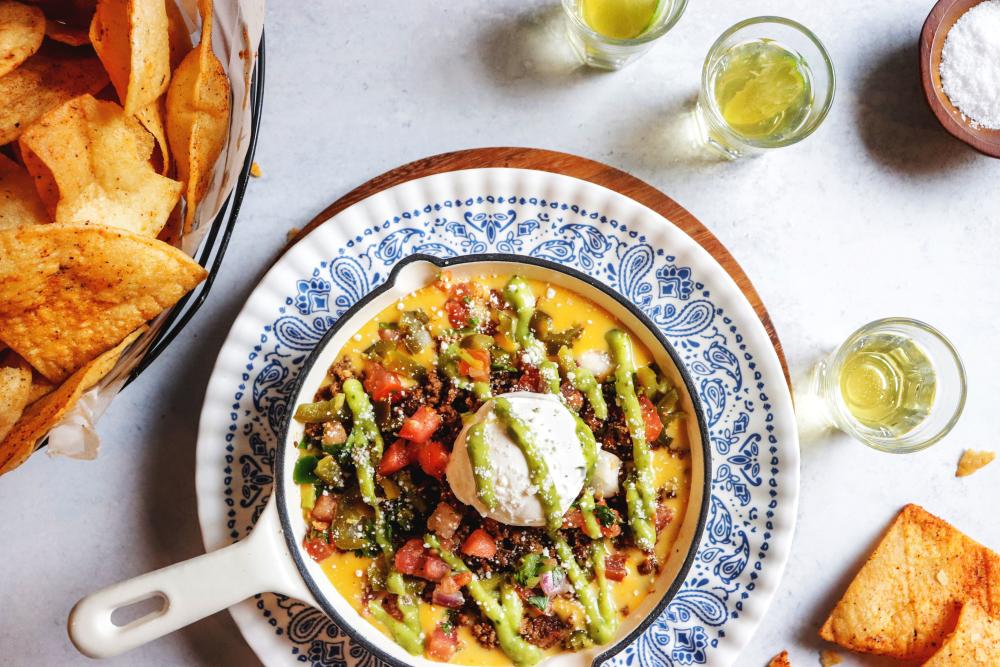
[553, 428]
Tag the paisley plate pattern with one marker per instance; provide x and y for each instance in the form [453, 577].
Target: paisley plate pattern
[630, 248]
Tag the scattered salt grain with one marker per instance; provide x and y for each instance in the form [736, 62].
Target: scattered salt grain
[970, 65]
[358, 573]
[357, 337]
[550, 293]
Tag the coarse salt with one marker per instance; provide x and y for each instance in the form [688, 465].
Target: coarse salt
[970, 65]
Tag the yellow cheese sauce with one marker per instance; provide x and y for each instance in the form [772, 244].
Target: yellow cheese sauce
[567, 309]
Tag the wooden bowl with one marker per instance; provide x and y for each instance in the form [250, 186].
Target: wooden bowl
[932, 37]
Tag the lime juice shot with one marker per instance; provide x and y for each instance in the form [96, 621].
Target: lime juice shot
[609, 34]
[896, 384]
[767, 82]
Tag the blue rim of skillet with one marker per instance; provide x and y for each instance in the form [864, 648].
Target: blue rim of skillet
[443, 263]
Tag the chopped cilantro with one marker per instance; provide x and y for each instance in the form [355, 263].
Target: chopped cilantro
[539, 601]
[531, 565]
[605, 515]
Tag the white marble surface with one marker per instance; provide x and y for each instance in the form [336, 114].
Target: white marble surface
[879, 213]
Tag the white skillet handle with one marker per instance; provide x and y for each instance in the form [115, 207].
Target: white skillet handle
[192, 589]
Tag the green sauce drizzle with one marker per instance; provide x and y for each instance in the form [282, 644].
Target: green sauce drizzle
[519, 295]
[538, 470]
[584, 381]
[505, 617]
[479, 455]
[606, 601]
[367, 447]
[590, 525]
[601, 627]
[643, 504]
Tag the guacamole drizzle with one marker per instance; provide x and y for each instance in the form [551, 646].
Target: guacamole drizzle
[599, 627]
[538, 471]
[504, 617]
[642, 500]
[584, 381]
[367, 447]
[479, 454]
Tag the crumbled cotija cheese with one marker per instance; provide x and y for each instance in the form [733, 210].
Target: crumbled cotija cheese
[970, 65]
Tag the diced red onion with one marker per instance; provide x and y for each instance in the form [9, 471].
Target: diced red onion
[449, 600]
[553, 582]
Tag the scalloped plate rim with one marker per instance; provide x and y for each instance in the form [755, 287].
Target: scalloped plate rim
[262, 639]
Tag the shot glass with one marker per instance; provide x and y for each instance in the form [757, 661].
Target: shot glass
[906, 339]
[603, 52]
[716, 132]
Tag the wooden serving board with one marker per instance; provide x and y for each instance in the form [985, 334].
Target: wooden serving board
[570, 165]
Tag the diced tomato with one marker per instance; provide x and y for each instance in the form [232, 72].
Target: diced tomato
[420, 426]
[410, 557]
[479, 370]
[462, 578]
[396, 457]
[573, 519]
[324, 509]
[664, 515]
[433, 458]
[434, 568]
[654, 427]
[614, 567]
[614, 530]
[480, 544]
[574, 399]
[442, 645]
[380, 383]
[318, 548]
[448, 585]
[530, 380]
[458, 312]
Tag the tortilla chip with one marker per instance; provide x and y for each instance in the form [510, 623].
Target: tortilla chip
[15, 387]
[19, 202]
[178, 35]
[780, 660]
[908, 595]
[974, 643]
[970, 462]
[173, 231]
[42, 415]
[98, 159]
[829, 658]
[151, 117]
[68, 293]
[45, 80]
[131, 39]
[22, 28]
[67, 34]
[198, 106]
[40, 386]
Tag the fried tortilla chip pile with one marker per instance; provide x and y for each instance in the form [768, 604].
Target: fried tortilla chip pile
[111, 125]
[926, 592]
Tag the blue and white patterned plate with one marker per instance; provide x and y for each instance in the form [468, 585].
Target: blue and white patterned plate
[755, 477]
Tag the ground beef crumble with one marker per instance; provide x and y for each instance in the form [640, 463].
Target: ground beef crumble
[545, 631]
